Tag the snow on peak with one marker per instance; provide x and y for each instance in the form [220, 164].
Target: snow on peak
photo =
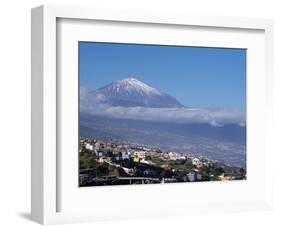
[131, 92]
[134, 85]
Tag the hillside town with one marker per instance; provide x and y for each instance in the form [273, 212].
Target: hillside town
[114, 163]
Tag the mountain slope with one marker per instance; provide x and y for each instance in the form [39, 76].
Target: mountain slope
[130, 92]
[226, 144]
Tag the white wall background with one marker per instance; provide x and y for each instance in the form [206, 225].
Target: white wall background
[15, 112]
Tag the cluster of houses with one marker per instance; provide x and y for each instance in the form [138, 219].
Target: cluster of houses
[112, 153]
[137, 154]
[118, 152]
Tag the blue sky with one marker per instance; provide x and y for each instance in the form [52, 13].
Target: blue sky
[197, 77]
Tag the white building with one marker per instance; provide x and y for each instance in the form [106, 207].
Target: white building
[89, 147]
[100, 160]
[197, 162]
[199, 177]
[125, 155]
[191, 176]
[144, 161]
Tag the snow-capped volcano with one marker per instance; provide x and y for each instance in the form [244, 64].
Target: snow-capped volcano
[130, 92]
[132, 85]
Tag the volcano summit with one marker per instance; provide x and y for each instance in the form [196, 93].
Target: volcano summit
[130, 92]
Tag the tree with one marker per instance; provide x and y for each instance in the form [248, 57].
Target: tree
[219, 170]
[102, 170]
[92, 162]
[83, 164]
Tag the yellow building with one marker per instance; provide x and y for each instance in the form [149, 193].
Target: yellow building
[136, 159]
[140, 154]
[222, 177]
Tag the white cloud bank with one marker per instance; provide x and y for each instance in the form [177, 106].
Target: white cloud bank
[214, 117]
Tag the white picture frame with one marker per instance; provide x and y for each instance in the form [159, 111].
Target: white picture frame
[47, 182]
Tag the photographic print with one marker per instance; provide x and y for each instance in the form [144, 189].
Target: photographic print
[156, 114]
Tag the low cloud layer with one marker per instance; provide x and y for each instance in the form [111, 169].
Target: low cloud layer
[215, 117]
